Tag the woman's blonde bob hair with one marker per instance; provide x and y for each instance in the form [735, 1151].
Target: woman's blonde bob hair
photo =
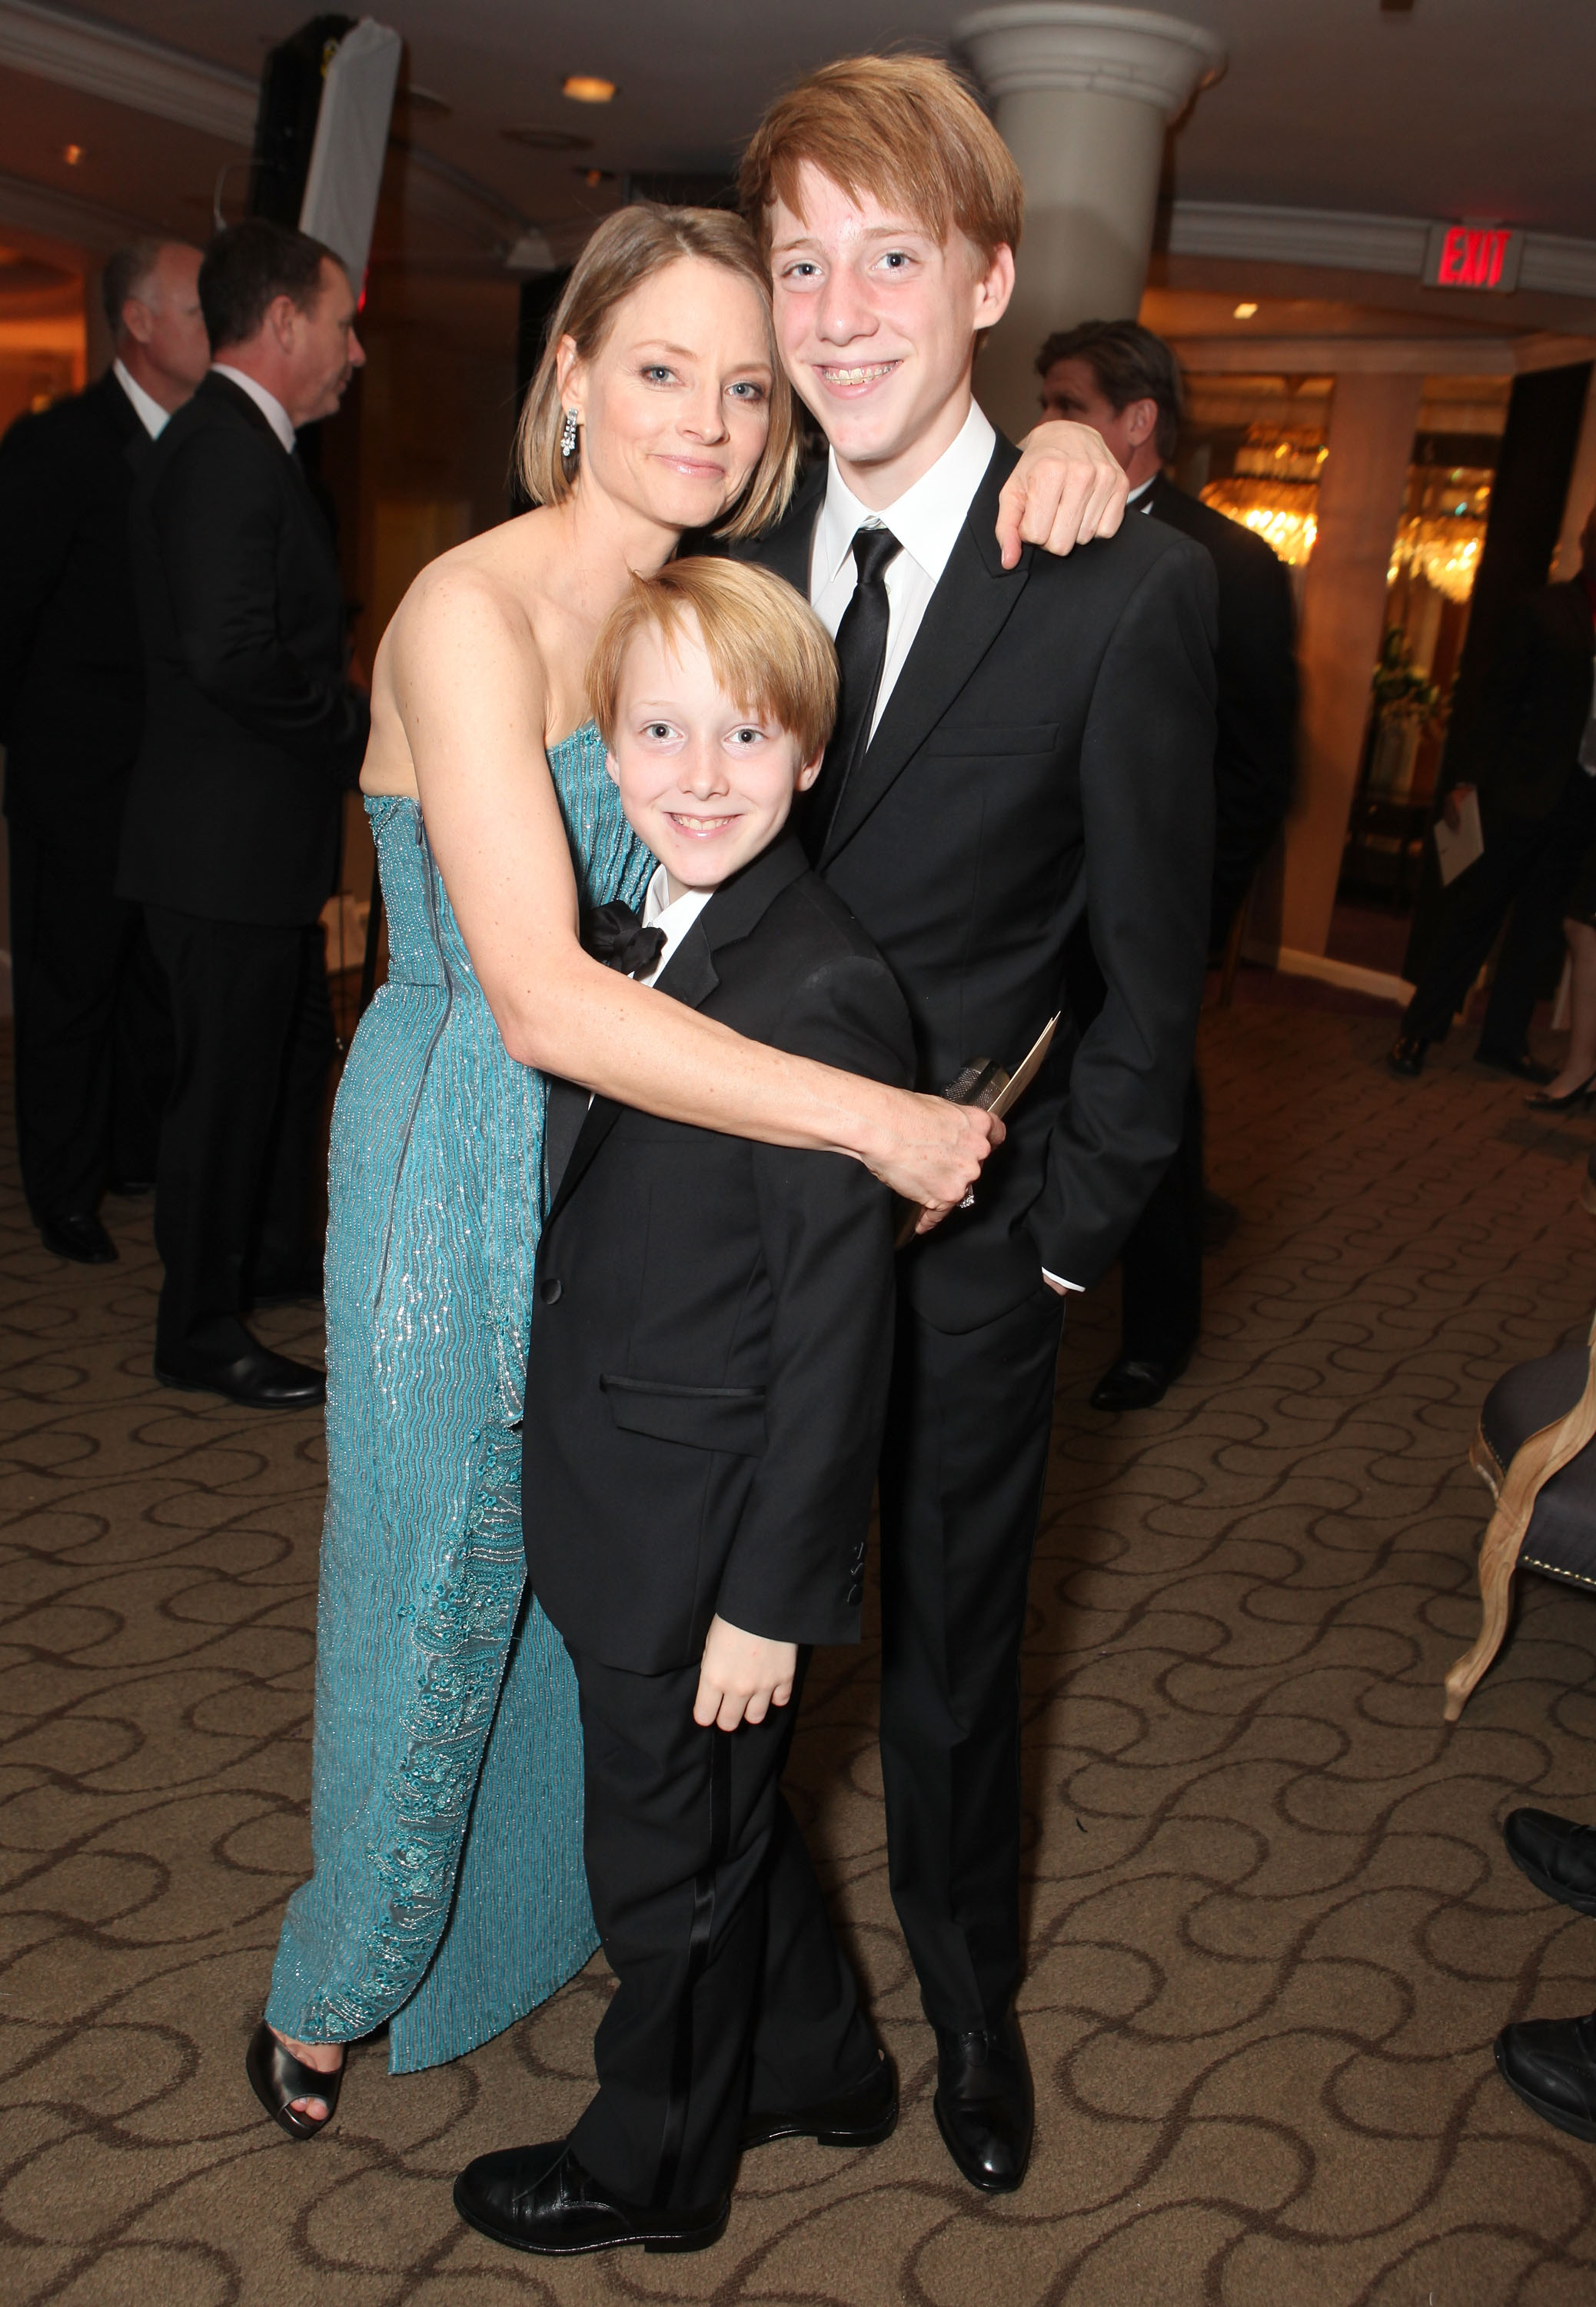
[627, 249]
[768, 650]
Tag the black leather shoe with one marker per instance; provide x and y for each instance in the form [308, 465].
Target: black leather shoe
[79, 1237]
[1217, 1221]
[1406, 1057]
[259, 1379]
[129, 1189]
[1551, 2064]
[1559, 1855]
[985, 2107]
[539, 2199]
[1134, 1384]
[1519, 1064]
[861, 2117]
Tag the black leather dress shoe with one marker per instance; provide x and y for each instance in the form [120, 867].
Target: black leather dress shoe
[1406, 1057]
[129, 1189]
[861, 2117]
[1217, 1220]
[259, 1379]
[985, 2107]
[539, 2199]
[1519, 1064]
[1133, 1384]
[81, 1237]
[1551, 2064]
[1559, 1855]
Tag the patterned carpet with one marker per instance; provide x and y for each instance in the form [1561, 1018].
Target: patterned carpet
[1272, 1928]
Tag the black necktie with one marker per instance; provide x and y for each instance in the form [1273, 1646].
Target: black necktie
[861, 652]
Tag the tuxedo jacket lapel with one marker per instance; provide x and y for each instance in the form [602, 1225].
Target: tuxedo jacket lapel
[785, 551]
[971, 604]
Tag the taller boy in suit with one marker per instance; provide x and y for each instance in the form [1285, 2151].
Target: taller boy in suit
[1011, 743]
[252, 732]
[704, 1397]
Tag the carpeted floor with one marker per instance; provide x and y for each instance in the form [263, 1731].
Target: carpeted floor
[1272, 1928]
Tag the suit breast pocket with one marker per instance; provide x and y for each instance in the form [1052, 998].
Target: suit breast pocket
[727, 1417]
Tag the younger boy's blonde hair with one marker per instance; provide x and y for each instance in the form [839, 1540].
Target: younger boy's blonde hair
[905, 130]
[768, 650]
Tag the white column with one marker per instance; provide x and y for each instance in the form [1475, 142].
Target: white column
[1082, 96]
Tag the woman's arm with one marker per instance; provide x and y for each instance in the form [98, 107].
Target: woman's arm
[471, 695]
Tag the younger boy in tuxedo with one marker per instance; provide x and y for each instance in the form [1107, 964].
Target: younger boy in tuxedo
[705, 1393]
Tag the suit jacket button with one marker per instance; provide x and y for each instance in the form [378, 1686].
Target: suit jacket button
[551, 1292]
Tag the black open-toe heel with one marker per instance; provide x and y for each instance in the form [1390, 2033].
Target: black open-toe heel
[277, 2078]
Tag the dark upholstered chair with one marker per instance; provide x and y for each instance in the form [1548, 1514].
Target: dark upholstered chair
[1533, 1453]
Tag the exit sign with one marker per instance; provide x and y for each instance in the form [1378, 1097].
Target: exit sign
[1474, 256]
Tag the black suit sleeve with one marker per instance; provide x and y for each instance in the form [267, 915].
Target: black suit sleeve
[1484, 755]
[36, 522]
[826, 1228]
[1257, 721]
[1147, 806]
[217, 513]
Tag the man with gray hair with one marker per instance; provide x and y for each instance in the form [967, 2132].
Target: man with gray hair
[90, 1031]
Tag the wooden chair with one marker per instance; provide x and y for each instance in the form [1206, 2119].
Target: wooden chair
[1532, 1452]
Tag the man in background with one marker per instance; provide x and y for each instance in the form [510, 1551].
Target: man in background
[92, 1038]
[252, 733]
[1119, 378]
[1529, 753]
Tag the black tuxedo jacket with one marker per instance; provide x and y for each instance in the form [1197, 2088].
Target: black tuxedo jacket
[1256, 664]
[1522, 744]
[250, 729]
[711, 1324]
[1045, 754]
[72, 669]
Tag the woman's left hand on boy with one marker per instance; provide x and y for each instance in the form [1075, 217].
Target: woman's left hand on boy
[1067, 488]
[742, 1677]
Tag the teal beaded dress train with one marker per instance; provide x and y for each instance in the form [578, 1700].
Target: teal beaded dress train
[448, 1895]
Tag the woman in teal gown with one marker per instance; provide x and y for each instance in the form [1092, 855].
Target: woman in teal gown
[447, 1895]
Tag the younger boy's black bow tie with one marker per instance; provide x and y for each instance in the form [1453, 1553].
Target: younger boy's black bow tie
[614, 935]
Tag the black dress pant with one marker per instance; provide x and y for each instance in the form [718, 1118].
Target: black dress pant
[961, 1476]
[1530, 864]
[92, 1037]
[254, 1040]
[731, 1990]
[1161, 1263]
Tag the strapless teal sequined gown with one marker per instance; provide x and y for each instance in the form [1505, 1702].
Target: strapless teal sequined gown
[448, 1895]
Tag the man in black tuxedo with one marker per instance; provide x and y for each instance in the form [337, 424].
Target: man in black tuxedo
[1013, 744]
[252, 735]
[1529, 753]
[704, 1395]
[1122, 379]
[91, 1037]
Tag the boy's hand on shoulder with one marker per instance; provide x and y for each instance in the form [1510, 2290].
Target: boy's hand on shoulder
[742, 1677]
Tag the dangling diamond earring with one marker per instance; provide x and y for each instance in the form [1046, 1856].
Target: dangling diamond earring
[567, 434]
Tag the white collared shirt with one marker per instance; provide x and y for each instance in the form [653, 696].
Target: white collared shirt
[268, 403]
[1138, 494]
[148, 411]
[675, 917]
[925, 520]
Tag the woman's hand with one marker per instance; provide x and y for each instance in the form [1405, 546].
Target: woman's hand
[931, 1152]
[742, 1677]
[1067, 488]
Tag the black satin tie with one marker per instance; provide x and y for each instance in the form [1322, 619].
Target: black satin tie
[614, 935]
[861, 653]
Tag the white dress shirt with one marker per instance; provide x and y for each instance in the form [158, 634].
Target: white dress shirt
[925, 520]
[675, 917]
[148, 411]
[268, 403]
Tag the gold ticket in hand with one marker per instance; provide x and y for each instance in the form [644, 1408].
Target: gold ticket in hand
[985, 1084]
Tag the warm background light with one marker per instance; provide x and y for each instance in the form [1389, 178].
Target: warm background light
[584, 89]
[1245, 311]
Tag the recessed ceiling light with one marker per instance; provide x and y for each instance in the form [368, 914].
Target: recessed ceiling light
[1245, 311]
[592, 177]
[548, 139]
[583, 88]
[72, 154]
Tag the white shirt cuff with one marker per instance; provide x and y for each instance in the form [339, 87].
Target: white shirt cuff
[1058, 1281]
